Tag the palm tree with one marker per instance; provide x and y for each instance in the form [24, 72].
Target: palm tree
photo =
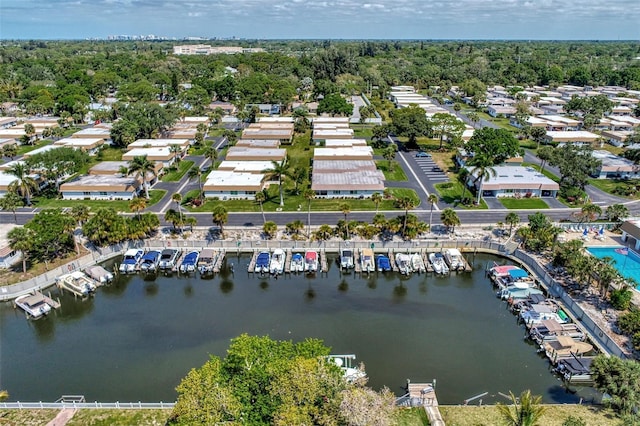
[406, 203]
[10, 202]
[270, 228]
[450, 218]
[345, 208]
[212, 154]
[590, 212]
[176, 150]
[191, 221]
[512, 219]
[220, 216]
[196, 173]
[137, 204]
[527, 412]
[309, 194]
[474, 117]
[432, 199]
[80, 213]
[174, 217]
[177, 198]
[389, 153]
[278, 171]
[261, 198]
[21, 239]
[24, 184]
[482, 169]
[141, 167]
[377, 199]
[545, 154]
[294, 227]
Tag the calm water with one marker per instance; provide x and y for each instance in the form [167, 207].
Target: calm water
[628, 265]
[136, 339]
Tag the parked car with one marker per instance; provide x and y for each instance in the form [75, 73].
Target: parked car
[423, 154]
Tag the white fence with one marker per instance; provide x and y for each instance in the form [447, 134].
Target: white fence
[84, 405]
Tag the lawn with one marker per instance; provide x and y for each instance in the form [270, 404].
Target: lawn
[396, 174]
[610, 186]
[23, 149]
[120, 205]
[451, 193]
[555, 415]
[108, 153]
[362, 132]
[501, 122]
[176, 175]
[411, 417]
[523, 203]
[119, 417]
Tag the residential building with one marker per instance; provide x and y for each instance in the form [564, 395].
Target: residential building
[227, 185]
[161, 154]
[88, 145]
[614, 167]
[580, 136]
[8, 256]
[516, 181]
[101, 187]
[347, 184]
[243, 153]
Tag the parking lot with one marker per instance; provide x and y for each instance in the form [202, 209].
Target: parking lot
[429, 169]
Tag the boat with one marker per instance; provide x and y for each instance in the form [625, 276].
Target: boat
[505, 290]
[539, 312]
[35, 305]
[550, 329]
[383, 263]
[350, 373]
[297, 262]
[366, 260]
[169, 258]
[565, 347]
[276, 265]
[77, 283]
[206, 261]
[130, 260]
[575, 369]
[417, 263]
[189, 262]
[311, 261]
[262, 262]
[403, 261]
[150, 260]
[99, 274]
[454, 259]
[346, 259]
[516, 295]
[439, 265]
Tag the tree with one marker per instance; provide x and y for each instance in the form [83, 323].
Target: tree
[323, 233]
[362, 406]
[137, 204]
[142, 167]
[590, 212]
[377, 199]
[475, 89]
[545, 154]
[482, 170]
[53, 237]
[335, 104]
[450, 218]
[106, 226]
[11, 202]
[309, 194]
[618, 378]
[433, 199]
[447, 126]
[525, 411]
[270, 229]
[406, 203]
[474, 117]
[260, 197]
[389, 154]
[177, 198]
[345, 208]
[497, 144]
[512, 219]
[617, 213]
[278, 171]
[24, 184]
[195, 173]
[10, 150]
[379, 133]
[220, 216]
[294, 228]
[55, 164]
[176, 150]
[576, 164]
[538, 134]
[410, 122]
[21, 239]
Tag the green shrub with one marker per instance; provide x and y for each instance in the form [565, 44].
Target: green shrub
[630, 322]
[621, 298]
[574, 421]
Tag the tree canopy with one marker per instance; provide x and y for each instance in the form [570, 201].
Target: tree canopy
[410, 122]
[497, 144]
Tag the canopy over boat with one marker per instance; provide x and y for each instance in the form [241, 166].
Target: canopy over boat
[552, 325]
[518, 273]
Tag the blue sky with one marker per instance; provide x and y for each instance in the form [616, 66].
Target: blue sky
[378, 19]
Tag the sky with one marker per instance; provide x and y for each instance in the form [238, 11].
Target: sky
[326, 19]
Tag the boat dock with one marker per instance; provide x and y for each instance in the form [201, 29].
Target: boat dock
[324, 265]
[287, 262]
[219, 260]
[357, 262]
[425, 393]
[252, 262]
[427, 264]
[392, 261]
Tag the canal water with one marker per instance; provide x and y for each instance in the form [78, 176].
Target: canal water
[137, 338]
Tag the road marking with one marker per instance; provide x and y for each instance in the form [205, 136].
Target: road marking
[435, 206]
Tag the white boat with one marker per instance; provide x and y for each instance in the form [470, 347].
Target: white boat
[130, 260]
[35, 305]
[150, 260]
[169, 258]
[439, 265]
[206, 261]
[311, 261]
[77, 283]
[539, 312]
[346, 259]
[276, 266]
[262, 262]
[99, 274]
[403, 261]
[366, 260]
[417, 264]
[189, 262]
[350, 373]
[297, 262]
[454, 259]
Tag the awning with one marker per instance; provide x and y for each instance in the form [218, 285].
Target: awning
[518, 273]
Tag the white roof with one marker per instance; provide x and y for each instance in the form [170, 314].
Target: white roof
[570, 135]
[231, 178]
[93, 131]
[157, 143]
[79, 142]
[517, 175]
[344, 142]
[245, 166]
[343, 151]
[6, 179]
[140, 152]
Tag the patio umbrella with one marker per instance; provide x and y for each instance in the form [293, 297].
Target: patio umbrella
[585, 232]
[601, 232]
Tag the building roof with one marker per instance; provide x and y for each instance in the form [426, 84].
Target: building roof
[339, 166]
[240, 153]
[358, 180]
[613, 163]
[259, 143]
[81, 143]
[221, 180]
[101, 183]
[157, 143]
[245, 166]
[159, 154]
[363, 152]
[100, 132]
[516, 177]
[572, 136]
[632, 227]
[5, 228]
[335, 143]
[41, 150]
[6, 179]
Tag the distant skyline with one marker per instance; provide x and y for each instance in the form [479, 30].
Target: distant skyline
[329, 19]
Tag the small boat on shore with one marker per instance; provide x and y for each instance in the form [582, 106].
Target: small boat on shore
[99, 274]
[454, 259]
[130, 261]
[169, 258]
[366, 260]
[35, 305]
[383, 263]
[403, 261]
[276, 265]
[206, 261]
[297, 262]
[438, 263]
[149, 262]
[189, 262]
[311, 261]
[262, 262]
[346, 259]
[77, 283]
[417, 264]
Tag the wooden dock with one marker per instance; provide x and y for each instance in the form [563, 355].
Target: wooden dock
[426, 394]
[427, 264]
[219, 261]
[324, 265]
[252, 262]
[287, 262]
[392, 261]
[357, 261]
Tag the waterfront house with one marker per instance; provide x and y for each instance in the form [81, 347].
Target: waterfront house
[8, 256]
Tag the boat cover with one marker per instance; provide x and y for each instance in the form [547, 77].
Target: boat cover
[537, 298]
[552, 325]
[518, 273]
[503, 269]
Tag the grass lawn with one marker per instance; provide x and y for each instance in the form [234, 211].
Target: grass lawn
[14, 274]
[555, 415]
[451, 193]
[176, 175]
[109, 153]
[523, 203]
[119, 417]
[120, 205]
[23, 149]
[609, 185]
[396, 174]
[27, 417]
[411, 417]
[362, 132]
[501, 122]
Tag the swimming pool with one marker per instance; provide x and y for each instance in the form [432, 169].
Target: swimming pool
[627, 265]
